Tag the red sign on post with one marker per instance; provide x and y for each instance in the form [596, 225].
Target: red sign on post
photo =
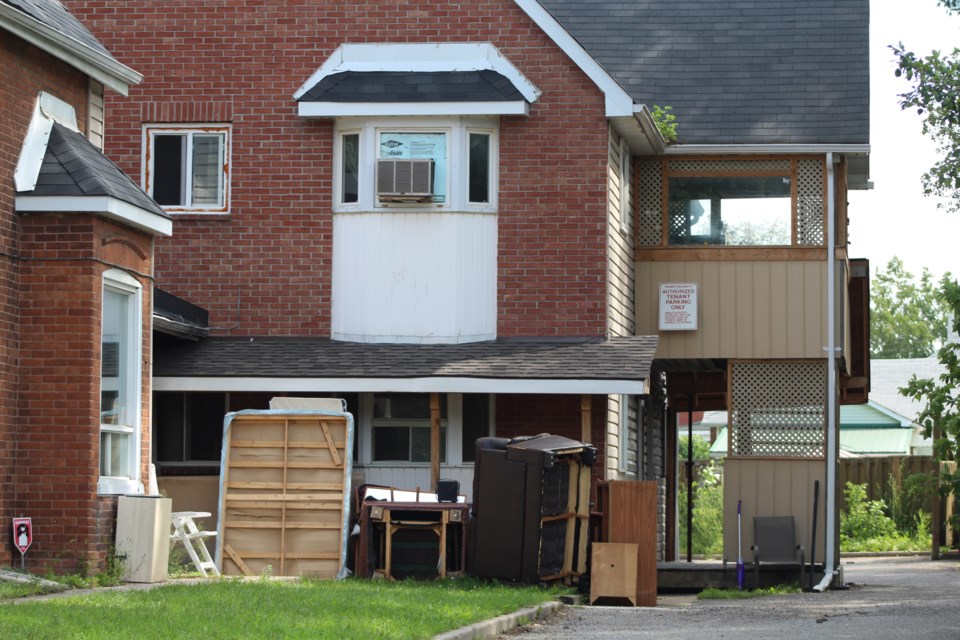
[22, 534]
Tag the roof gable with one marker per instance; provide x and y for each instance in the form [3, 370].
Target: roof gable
[47, 24]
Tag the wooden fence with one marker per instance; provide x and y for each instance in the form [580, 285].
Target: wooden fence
[877, 472]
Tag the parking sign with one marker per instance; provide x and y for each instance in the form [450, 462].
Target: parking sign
[22, 534]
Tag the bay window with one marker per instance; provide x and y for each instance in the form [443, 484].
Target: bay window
[457, 158]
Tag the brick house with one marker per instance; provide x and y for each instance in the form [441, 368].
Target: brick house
[464, 213]
[76, 272]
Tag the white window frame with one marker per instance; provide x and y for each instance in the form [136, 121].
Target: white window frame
[457, 130]
[150, 131]
[120, 282]
[626, 214]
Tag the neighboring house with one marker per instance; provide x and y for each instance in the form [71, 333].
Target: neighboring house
[76, 278]
[457, 217]
[866, 430]
[887, 377]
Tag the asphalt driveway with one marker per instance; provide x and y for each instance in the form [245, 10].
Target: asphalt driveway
[887, 599]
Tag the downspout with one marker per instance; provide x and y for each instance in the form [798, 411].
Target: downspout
[831, 349]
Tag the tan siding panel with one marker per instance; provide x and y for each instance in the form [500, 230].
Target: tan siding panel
[767, 488]
[761, 310]
[745, 317]
[752, 309]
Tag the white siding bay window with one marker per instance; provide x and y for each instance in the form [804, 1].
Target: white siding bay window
[120, 384]
[415, 185]
[421, 245]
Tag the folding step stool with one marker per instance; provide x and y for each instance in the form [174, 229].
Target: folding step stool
[185, 531]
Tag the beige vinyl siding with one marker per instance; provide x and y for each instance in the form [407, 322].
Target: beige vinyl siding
[620, 298]
[95, 114]
[747, 309]
[620, 261]
[771, 487]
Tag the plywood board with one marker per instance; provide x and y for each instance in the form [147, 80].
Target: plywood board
[285, 483]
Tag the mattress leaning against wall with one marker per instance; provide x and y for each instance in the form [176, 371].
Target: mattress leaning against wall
[284, 493]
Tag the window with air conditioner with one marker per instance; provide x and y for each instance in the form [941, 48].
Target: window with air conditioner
[424, 164]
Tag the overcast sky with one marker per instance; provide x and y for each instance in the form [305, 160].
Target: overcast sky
[895, 219]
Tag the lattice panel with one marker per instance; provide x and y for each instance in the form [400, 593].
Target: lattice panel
[728, 166]
[778, 409]
[649, 199]
[810, 202]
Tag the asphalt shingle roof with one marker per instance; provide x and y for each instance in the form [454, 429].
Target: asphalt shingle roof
[413, 86]
[72, 166]
[56, 16]
[621, 358]
[743, 71]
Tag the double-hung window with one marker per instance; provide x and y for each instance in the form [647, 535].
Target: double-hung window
[401, 428]
[187, 168]
[423, 164]
[120, 383]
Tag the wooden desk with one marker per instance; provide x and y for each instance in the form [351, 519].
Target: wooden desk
[388, 530]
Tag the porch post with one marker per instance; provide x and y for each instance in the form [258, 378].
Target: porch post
[585, 419]
[435, 440]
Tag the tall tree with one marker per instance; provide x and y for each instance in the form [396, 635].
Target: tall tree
[935, 94]
[940, 416]
[908, 318]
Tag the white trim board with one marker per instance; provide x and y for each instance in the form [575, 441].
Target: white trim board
[107, 206]
[388, 56]
[344, 109]
[618, 101]
[403, 385]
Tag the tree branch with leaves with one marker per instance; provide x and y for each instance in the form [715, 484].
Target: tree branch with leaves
[934, 86]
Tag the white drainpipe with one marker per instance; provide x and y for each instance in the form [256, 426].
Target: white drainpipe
[830, 523]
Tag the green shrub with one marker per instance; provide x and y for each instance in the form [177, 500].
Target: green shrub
[911, 499]
[707, 511]
[865, 526]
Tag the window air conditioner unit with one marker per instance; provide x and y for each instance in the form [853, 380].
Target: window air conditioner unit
[405, 180]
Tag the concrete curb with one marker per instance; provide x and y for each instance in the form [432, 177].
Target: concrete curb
[496, 626]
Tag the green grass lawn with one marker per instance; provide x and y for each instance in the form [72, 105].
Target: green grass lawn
[355, 609]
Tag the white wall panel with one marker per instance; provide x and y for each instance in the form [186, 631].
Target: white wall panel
[409, 477]
[414, 277]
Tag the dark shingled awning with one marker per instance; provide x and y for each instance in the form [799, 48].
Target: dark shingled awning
[589, 364]
[73, 167]
[413, 86]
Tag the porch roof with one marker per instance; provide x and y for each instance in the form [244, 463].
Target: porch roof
[511, 365]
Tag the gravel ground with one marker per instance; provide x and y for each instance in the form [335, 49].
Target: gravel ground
[887, 599]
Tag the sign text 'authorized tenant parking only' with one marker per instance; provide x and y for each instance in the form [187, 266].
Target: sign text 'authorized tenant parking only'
[678, 306]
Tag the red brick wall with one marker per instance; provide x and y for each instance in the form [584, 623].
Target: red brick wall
[24, 71]
[242, 62]
[529, 415]
[58, 440]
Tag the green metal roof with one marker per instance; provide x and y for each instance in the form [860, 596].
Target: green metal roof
[857, 416]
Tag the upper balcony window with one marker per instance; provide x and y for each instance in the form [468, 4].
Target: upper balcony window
[187, 169]
[730, 210]
[731, 202]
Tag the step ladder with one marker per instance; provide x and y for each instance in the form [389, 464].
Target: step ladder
[185, 531]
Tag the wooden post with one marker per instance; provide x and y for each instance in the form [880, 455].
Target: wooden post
[936, 504]
[585, 419]
[435, 440]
